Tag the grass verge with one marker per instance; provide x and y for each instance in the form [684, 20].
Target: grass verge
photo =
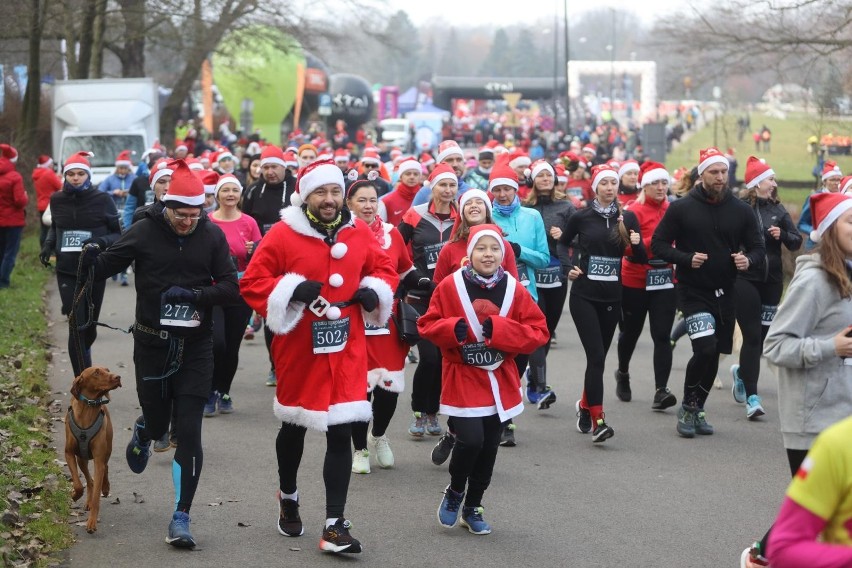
[34, 492]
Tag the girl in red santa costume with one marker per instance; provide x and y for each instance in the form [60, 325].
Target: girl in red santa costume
[480, 318]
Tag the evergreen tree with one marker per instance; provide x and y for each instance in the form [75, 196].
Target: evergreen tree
[498, 62]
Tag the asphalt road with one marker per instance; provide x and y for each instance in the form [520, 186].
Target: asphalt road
[644, 498]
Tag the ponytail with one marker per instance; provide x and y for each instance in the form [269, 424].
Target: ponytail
[622, 237]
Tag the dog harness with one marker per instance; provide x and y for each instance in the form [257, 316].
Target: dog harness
[84, 435]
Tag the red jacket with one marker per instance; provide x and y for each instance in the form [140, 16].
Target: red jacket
[13, 197]
[46, 182]
[649, 214]
[472, 391]
[320, 361]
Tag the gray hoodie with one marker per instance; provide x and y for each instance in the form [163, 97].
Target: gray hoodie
[814, 385]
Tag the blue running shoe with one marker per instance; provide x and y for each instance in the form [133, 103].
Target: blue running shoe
[546, 398]
[473, 522]
[533, 395]
[738, 388]
[753, 407]
[226, 404]
[138, 452]
[210, 406]
[448, 512]
[179, 534]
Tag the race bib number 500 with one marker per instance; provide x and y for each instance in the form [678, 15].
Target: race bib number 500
[479, 355]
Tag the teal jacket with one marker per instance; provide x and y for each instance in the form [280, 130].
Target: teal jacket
[525, 227]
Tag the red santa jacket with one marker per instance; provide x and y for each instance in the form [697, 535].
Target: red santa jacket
[492, 387]
[13, 197]
[46, 182]
[320, 355]
[635, 274]
[386, 352]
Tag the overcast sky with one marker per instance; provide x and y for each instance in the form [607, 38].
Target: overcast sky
[471, 12]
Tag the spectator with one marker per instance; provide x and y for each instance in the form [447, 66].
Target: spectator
[13, 199]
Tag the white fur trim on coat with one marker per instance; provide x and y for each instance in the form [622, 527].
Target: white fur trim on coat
[378, 378]
[282, 314]
[313, 419]
[378, 317]
[346, 412]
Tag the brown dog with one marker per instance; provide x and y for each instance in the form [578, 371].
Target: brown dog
[88, 435]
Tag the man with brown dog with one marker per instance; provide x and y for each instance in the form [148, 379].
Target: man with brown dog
[183, 268]
[88, 436]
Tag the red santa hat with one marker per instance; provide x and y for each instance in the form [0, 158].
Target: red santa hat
[709, 156]
[209, 179]
[590, 148]
[830, 169]
[291, 160]
[474, 193]
[649, 172]
[449, 148]
[846, 185]
[194, 164]
[159, 170]
[502, 174]
[185, 189]
[757, 170]
[78, 161]
[205, 157]
[426, 159]
[486, 153]
[227, 178]
[627, 166]
[45, 161]
[520, 160]
[407, 165]
[538, 167]
[371, 156]
[826, 208]
[486, 230]
[9, 152]
[561, 174]
[272, 154]
[441, 171]
[601, 172]
[342, 155]
[156, 148]
[395, 153]
[124, 159]
[314, 175]
[224, 154]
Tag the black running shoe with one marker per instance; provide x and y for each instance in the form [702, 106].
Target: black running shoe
[602, 431]
[289, 522]
[547, 398]
[507, 436]
[336, 538]
[584, 419]
[622, 386]
[443, 448]
[663, 399]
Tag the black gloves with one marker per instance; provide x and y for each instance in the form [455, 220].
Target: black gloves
[307, 291]
[487, 328]
[461, 330]
[368, 298]
[178, 295]
[415, 280]
[44, 257]
[95, 241]
[516, 248]
[89, 255]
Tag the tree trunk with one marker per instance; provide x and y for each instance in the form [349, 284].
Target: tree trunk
[99, 28]
[133, 12]
[32, 95]
[81, 69]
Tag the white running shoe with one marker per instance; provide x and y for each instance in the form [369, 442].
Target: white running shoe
[384, 454]
[361, 461]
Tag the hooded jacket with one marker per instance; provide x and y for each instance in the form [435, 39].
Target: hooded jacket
[717, 228]
[768, 214]
[46, 183]
[814, 384]
[13, 197]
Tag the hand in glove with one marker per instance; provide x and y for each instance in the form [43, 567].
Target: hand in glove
[487, 328]
[368, 298]
[178, 295]
[516, 248]
[44, 257]
[461, 330]
[307, 291]
[415, 280]
[89, 255]
[95, 241]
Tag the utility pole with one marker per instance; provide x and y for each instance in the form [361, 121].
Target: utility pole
[567, 85]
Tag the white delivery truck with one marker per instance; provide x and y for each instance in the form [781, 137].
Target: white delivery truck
[104, 116]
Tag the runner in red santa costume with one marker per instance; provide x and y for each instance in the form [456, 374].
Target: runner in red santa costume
[307, 279]
[480, 318]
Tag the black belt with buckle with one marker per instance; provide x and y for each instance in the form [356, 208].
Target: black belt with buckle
[161, 333]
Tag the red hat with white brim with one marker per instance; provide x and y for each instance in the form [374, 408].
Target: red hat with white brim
[313, 176]
[826, 209]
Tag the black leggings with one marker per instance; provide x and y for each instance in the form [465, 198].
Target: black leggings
[474, 455]
[426, 387]
[795, 458]
[596, 323]
[336, 469]
[660, 307]
[229, 326]
[551, 301]
[267, 338]
[179, 397]
[384, 405]
[67, 287]
[751, 297]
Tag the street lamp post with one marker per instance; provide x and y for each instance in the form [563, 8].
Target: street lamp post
[567, 86]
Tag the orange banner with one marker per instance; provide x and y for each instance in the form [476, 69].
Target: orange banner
[300, 94]
[207, 94]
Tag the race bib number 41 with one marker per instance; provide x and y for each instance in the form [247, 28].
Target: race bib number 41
[604, 268]
[72, 241]
[701, 324]
[330, 336]
[431, 253]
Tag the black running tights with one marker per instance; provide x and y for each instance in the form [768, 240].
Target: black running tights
[596, 323]
[751, 297]
[336, 469]
[384, 405]
[426, 384]
[474, 455]
[659, 305]
[229, 326]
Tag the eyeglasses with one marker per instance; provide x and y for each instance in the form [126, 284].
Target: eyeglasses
[179, 217]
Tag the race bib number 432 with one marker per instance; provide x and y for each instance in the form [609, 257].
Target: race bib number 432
[330, 336]
[701, 324]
